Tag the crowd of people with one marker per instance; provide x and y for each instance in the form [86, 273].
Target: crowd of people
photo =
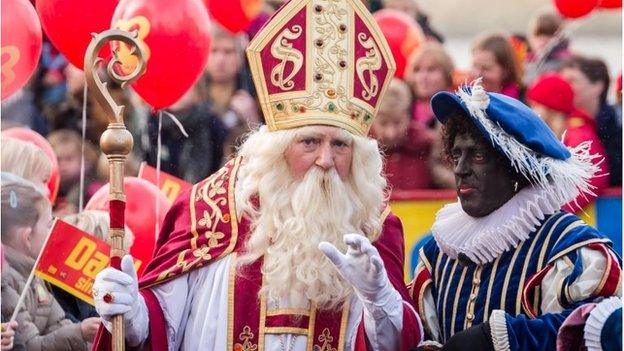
[569, 91]
[222, 106]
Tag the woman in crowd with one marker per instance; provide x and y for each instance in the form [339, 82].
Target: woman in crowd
[429, 71]
[493, 59]
[590, 80]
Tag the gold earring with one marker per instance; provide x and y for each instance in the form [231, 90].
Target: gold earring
[515, 186]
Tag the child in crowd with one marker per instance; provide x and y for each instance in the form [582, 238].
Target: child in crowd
[552, 97]
[7, 328]
[26, 219]
[407, 143]
[26, 160]
[8, 337]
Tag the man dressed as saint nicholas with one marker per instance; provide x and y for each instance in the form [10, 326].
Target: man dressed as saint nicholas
[290, 246]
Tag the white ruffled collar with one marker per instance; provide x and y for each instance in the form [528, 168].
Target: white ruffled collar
[483, 239]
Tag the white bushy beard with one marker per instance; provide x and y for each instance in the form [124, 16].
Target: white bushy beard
[296, 215]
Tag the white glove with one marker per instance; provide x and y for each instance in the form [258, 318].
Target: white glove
[123, 287]
[363, 268]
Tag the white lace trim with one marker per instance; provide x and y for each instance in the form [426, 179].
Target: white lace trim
[483, 239]
[498, 329]
[596, 320]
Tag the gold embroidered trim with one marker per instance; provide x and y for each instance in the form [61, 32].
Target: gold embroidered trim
[214, 194]
[288, 311]
[284, 51]
[312, 323]
[325, 339]
[231, 280]
[246, 336]
[343, 325]
[286, 330]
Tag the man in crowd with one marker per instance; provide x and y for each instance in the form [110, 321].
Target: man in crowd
[251, 257]
[506, 266]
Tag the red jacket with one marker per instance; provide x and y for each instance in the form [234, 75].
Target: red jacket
[581, 127]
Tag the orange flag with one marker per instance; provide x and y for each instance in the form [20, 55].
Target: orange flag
[71, 258]
[169, 185]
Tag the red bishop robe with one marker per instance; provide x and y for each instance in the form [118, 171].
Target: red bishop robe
[202, 226]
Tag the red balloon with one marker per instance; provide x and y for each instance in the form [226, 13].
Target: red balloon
[35, 138]
[234, 15]
[21, 44]
[141, 198]
[403, 34]
[176, 38]
[69, 24]
[610, 4]
[575, 8]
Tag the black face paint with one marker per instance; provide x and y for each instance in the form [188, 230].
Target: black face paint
[483, 177]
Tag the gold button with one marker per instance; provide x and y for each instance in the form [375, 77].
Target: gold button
[473, 296]
[469, 316]
[476, 281]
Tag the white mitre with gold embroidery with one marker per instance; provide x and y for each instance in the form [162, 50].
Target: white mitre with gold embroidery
[321, 62]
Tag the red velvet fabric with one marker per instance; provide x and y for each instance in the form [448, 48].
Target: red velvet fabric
[117, 214]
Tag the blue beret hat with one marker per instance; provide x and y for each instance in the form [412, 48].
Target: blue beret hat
[514, 117]
[521, 136]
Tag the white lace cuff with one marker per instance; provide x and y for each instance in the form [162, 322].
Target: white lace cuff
[498, 329]
[596, 320]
